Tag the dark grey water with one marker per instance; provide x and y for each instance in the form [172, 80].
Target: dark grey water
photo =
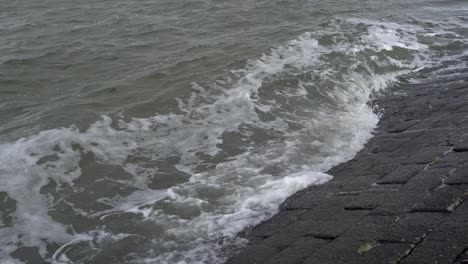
[155, 131]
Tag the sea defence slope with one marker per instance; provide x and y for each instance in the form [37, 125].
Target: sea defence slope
[402, 199]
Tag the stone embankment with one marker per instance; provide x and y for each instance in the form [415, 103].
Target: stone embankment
[402, 199]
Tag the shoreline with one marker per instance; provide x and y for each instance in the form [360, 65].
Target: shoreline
[401, 199]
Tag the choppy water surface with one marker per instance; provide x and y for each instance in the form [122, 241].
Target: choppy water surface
[155, 131]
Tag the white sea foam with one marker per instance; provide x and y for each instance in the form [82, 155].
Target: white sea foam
[239, 191]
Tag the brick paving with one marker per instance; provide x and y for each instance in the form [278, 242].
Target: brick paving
[402, 199]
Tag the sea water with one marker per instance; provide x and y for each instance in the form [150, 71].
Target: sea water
[156, 131]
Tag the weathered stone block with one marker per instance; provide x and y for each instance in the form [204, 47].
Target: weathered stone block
[412, 228]
[345, 250]
[288, 235]
[427, 180]
[400, 127]
[401, 175]
[311, 200]
[335, 226]
[427, 156]
[277, 222]
[459, 176]
[444, 199]
[371, 199]
[298, 251]
[434, 252]
[254, 255]
[454, 230]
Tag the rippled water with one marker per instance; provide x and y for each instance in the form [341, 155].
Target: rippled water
[155, 131]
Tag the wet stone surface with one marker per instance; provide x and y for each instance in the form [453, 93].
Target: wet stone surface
[402, 199]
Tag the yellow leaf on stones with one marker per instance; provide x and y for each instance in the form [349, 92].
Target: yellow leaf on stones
[367, 246]
[435, 160]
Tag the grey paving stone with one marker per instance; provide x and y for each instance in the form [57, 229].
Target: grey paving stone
[401, 175]
[437, 136]
[451, 159]
[400, 127]
[355, 169]
[254, 254]
[453, 230]
[454, 105]
[278, 221]
[298, 251]
[388, 187]
[345, 250]
[429, 252]
[400, 204]
[425, 124]
[461, 211]
[354, 183]
[288, 235]
[412, 228]
[408, 140]
[370, 228]
[308, 226]
[310, 200]
[370, 199]
[427, 156]
[386, 145]
[456, 119]
[384, 169]
[444, 199]
[427, 179]
[459, 176]
[334, 226]
[367, 162]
